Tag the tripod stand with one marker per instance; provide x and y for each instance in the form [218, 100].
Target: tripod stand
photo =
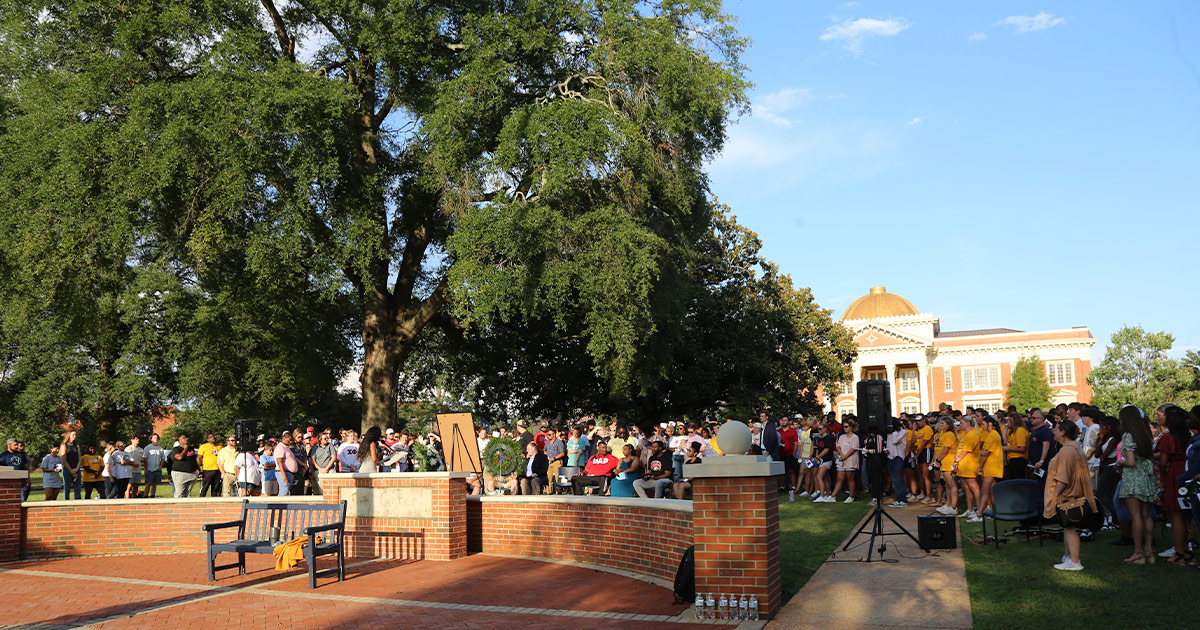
[873, 454]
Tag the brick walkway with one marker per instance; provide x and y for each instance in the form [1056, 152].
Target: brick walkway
[123, 592]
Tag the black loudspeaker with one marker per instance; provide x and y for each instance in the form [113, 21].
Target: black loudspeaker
[874, 406]
[936, 532]
[246, 433]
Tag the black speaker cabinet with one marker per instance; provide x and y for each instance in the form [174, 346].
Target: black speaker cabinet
[936, 532]
[874, 406]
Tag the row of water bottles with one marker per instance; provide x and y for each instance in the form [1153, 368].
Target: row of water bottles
[727, 607]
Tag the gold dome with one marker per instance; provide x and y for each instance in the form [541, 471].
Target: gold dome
[879, 303]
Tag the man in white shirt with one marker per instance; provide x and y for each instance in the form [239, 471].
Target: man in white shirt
[897, 453]
[119, 471]
[153, 463]
[137, 456]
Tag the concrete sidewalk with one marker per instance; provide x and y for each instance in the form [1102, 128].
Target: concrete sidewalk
[911, 589]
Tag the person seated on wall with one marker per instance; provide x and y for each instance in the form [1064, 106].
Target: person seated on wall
[534, 478]
[684, 484]
[597, 471]
[657, 474]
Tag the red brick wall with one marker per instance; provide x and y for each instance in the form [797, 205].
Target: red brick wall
[737, 538]
[442, 537]
[10, 518]
[645, 541]
[85, 528]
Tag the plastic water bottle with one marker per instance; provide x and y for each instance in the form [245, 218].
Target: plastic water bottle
[724, 605]
[710, 607]
[753, 608]
[700, 605]
[743, 609]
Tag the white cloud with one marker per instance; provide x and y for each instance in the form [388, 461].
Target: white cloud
[852, 32]
[914, 121]
[977, 37]
[849, 5]
[1028, 24]
[772, 107]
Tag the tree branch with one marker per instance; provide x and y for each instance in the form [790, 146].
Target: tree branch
[386, 108]
[287, 43]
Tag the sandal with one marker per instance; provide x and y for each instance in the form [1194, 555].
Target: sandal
[1182, 559]
[1136, 558]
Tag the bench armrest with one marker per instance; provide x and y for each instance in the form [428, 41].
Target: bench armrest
[308, 531]
[215, 526]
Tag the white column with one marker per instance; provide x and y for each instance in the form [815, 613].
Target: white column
[895, 387]
[923, 385]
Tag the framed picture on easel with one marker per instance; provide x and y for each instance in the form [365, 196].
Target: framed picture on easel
[457, 431]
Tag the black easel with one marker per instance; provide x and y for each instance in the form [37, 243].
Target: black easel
[875, 520]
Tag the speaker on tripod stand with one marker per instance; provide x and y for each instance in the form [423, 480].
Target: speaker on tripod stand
[245, 431]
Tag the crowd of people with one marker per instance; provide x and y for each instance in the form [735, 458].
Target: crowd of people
[291, 464]
[1109, 472]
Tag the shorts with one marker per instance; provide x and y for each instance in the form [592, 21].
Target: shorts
[154, 476]
[135, 478]
[246, 485]
[923, 456]
[827, 465]
[840, 469]
[790, 463]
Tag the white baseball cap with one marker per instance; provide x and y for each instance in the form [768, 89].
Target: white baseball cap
[390, 431]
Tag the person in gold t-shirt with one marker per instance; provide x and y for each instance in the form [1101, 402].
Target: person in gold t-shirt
[924, 448]
[1016, 448]
[210, 469]
[91, 465]
[991, 462]
[966, 465]
[947, 448]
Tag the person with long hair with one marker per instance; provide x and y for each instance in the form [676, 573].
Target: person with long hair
[1138, 487]
[991, 462]
[1171, 453]
[1016, 447]
[847, 462]
[947, 448]
[72, 457]
[369, 451]
[966, 466]
[1107, 478]
[823, 457]
[1067, 480]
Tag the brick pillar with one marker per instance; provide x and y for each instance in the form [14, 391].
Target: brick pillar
[735, 518]
[10, 513]
[420, 516]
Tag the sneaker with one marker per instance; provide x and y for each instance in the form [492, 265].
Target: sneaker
[1069, 566]
[1167, 554]
[898, 504]
[804, 494]
[947, 510]
[969, 514]
[791, 496]
[850, 499]
[818, 499]
[974, 519]
[918, 497]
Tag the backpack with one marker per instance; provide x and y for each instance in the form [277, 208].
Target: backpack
[685, 577]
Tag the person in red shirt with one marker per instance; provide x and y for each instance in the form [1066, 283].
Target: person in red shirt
[390, 438]
[598, 469]
[789, 440]
[542, 436]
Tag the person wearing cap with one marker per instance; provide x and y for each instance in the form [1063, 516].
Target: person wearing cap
[390, 438]
[228, 468]
[523, 435]
[267, 469]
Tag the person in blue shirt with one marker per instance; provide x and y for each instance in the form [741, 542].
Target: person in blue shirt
[16, 458]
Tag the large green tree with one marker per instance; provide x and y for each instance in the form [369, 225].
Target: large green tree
[519, 158]
[1136, 370]
[1028, 387]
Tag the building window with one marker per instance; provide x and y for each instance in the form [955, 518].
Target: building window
[1060, 373]
[908, 380]
[847, 389]
[910, 408]
[981, 378]
[948, 374]
[847, 411]
[990, 406]
[877, 375]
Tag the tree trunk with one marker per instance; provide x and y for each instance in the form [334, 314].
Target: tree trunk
[381, 362]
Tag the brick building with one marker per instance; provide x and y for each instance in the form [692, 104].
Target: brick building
[967, 368]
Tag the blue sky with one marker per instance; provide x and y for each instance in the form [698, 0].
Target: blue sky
[1023, 165]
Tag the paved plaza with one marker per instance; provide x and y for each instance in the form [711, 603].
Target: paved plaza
[171, 591]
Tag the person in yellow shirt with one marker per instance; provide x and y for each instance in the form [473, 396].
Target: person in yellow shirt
[924, 446]
[91, 465]
[1016, 448]
[210, 470]
[966, 465]
[991, 462]
[226, 458]
[947, 449]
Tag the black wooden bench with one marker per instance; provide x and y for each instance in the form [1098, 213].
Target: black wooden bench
[292, 519]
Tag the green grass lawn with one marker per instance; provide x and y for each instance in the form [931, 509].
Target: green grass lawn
[1016, 586]
[809, 532]
[37, 494]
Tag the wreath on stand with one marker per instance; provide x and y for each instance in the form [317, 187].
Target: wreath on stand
[502, 457]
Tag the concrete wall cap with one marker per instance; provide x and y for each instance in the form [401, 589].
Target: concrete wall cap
[734, 466]
[14, 474]
[673, 505]
[393, 475]
[106, 503]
